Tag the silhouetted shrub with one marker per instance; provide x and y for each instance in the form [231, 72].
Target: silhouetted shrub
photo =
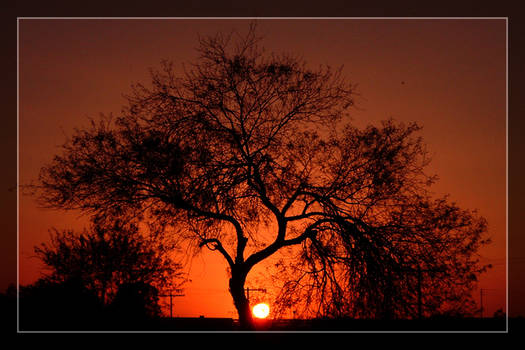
[68, 305]
[134, 304]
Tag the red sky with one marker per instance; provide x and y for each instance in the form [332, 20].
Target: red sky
[448, 75]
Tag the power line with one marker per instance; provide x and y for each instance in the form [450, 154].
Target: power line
[171, 295]
[253, 290]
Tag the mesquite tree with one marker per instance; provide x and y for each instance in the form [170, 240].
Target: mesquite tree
[250, 152]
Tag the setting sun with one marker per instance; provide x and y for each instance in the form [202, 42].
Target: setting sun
[261, 310]
[233, 164]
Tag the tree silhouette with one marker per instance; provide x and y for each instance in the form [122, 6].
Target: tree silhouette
[109, 256]
[59, 305]
[135, 303]
[248, 153]
[8, 305]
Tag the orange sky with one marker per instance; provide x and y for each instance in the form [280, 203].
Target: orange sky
[454, 85]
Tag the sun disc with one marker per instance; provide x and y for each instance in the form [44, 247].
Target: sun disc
[261, 310]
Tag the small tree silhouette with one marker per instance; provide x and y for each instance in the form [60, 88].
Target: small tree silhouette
[64, 305]
[248, 153]
[135, 303]
[109, 256]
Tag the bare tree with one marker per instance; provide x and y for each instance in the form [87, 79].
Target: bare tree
[252, 152]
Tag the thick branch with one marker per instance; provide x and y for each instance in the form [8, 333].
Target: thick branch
[279, 243]
[218, 246]
[291, 200]
[241, 240]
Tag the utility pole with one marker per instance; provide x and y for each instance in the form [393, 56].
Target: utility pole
[481, 302]
[419, 301]
[171, 295]
[253, 290]
[481, 290]
[419, 273]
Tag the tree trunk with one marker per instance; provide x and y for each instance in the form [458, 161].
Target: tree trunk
[239, 299]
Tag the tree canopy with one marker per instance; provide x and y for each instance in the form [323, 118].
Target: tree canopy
[108, 257]
[248, 152]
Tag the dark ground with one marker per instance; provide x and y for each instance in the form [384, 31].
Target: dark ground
[40, 321]
[320, 325]
[486, 325]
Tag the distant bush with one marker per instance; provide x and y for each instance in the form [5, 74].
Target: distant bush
[67, 305]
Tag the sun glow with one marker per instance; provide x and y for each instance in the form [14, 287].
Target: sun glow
[261, 310]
